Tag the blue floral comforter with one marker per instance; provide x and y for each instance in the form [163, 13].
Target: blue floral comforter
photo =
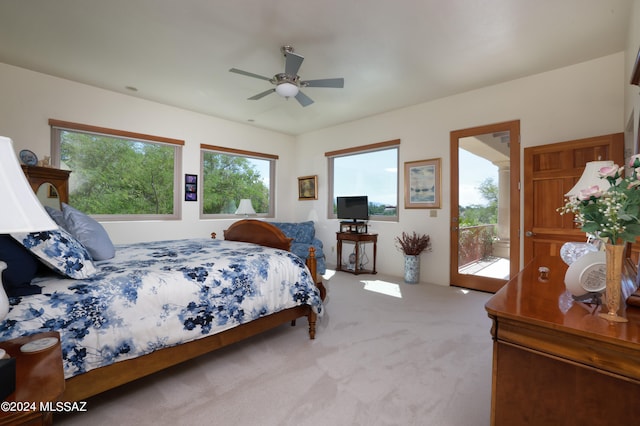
[160, 294]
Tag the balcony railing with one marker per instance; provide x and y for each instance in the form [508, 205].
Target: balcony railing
[475, 243]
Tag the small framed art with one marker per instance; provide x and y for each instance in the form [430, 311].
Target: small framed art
[422, 184]
[308, 187]
[191, 187]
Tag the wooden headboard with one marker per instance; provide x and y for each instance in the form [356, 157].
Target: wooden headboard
[258, 232]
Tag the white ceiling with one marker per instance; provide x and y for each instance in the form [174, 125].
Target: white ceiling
[391, 53]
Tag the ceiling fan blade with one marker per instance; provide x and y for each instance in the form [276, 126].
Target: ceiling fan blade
[292, 64]
[304, 99]
[249, 74]
[325, 82]
[261, 95]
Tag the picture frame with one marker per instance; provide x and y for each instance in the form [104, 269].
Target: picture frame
[422, 184]
[308, 187]
[190, 187]
[52, 192]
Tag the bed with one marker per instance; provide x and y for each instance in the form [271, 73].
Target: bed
[229, 290]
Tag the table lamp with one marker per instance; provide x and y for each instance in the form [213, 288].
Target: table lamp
[21, 210]
[590, 177]
[245, 207]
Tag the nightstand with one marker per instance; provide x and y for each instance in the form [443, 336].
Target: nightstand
[357, 239]
[39, 378]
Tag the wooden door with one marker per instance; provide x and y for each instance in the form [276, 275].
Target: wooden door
[550, 171]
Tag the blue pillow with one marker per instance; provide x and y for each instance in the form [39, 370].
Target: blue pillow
[60, 251]
[89, 232]
[57, 216]
[21, 268]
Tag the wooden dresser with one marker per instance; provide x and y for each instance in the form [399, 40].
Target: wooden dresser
[47, 175]
[554, 361]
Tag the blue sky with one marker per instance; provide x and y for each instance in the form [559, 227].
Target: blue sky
[472, 171]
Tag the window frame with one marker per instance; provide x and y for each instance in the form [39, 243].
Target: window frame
[57, 126]
[375, 147]
[239, 153]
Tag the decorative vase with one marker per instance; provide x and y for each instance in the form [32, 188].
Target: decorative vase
[411, 269]
[614, 257]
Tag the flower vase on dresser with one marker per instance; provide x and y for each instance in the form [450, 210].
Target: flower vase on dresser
[613, 292]
[606, 204]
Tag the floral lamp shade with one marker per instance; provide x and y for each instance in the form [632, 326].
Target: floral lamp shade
[590, 177]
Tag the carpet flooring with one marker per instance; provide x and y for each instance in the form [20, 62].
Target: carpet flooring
[385, 353]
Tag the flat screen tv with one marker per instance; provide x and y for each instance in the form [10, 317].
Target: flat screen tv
[353, 208]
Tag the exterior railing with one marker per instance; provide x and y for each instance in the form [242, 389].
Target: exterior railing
[475, 243]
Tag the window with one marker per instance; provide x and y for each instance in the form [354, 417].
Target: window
[229, 175]
[118, 175]
[370, 170]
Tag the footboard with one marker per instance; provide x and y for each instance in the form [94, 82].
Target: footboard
[96, 381]
[268, 235]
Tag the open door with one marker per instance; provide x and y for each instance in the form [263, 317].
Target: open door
[485, 242]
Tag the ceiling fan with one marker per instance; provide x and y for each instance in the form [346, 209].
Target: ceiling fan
[288, 83]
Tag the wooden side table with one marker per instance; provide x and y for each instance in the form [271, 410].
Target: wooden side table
[39, 379]
[357, 239]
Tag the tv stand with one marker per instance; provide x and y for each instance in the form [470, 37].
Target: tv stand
[354, 226]
[356, 267]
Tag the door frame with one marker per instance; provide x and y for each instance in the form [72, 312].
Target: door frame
[473, 281]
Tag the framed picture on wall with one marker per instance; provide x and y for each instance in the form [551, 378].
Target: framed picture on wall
[422, 184]
[191, 187]
[308, 187]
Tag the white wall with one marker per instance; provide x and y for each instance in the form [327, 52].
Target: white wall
[570, 103]
[579, 101]
[632, 97]
[29, 99]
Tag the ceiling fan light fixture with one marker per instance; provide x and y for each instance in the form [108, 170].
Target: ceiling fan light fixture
[287, 90]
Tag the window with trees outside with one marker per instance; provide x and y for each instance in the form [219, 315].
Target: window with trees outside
[370, 170]
[229, 175]
[119, 175]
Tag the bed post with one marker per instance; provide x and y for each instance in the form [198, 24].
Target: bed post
[312, 324]
[312, 264]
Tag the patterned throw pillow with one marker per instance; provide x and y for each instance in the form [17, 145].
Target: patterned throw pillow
[60, 251]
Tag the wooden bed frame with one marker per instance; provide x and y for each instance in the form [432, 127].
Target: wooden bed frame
[101, 379]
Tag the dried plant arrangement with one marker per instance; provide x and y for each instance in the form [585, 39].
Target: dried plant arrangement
[413, 244]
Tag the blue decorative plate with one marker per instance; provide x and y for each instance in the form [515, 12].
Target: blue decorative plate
[28, 157]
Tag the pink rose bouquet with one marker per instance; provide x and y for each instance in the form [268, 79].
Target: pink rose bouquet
[612, 214]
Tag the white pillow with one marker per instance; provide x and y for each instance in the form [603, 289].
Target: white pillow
[89, 232]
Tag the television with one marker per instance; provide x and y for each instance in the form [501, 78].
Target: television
[353, 208]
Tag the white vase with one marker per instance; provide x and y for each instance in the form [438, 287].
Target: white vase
[411, 269]
[4, 300]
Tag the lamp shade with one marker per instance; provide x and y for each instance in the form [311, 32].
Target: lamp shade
[287, 90]
[590, 177]
[245, 207]
[21, 211]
